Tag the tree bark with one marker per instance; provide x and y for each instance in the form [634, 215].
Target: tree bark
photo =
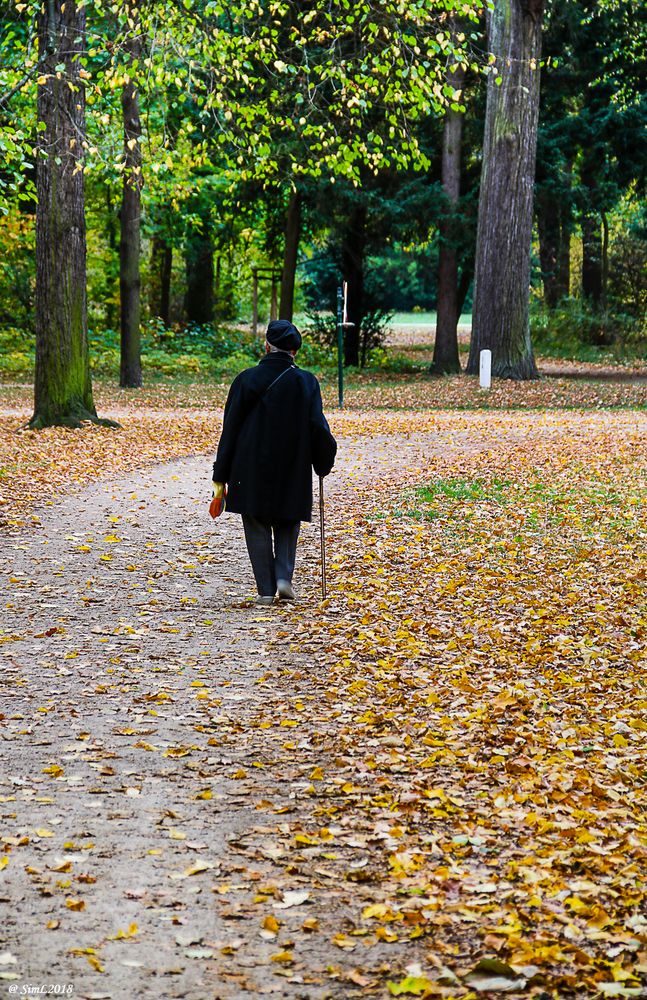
[63, 389]
[502, 273]
[446, 360]
[130, 220]
[292, 233]
[354, 245]
[198, 301]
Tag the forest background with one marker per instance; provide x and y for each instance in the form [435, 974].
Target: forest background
[317, 145]
[429, 782]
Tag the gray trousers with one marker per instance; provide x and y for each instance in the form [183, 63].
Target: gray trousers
[271, 562]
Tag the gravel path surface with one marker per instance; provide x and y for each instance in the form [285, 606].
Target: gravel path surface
[134, 673]
[148, 749]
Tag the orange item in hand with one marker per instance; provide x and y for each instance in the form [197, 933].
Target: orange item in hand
[217, 506]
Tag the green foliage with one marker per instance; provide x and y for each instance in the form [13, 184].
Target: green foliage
[17, 351]
[321, 328]
[576, 330]
[17, 270]
[628, 270]
[189, 351]
[332, 89]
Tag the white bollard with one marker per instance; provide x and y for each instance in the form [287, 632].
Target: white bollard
[485, 369]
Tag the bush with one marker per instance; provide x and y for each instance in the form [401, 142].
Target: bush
[206, 339]
[575, 330]
[321, 328]
[234, 363]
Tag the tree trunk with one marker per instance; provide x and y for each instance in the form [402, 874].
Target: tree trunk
[604, 297]
[111, 228]
[292, 232]
[467, 274]
[550, 233]
[166, 273]
[446, 360]
[564, 258]
[353, 272]
[592, 259]
[63, 389]
[198, 301]
[502, 274]
[160, 284]
[130, 219]
[563, 281]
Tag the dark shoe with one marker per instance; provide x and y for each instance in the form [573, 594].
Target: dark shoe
[264, 599]
[286, 593]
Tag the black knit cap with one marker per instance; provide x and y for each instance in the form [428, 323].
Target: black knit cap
[284, 335]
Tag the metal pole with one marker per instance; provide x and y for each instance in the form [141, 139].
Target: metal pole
[323, 538]
[254, 301]
[340, 345]
[274, 306]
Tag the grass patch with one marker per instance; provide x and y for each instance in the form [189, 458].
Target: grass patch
[463, 489]
[537, 508]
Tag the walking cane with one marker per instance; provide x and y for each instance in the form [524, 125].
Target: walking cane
[323, 538]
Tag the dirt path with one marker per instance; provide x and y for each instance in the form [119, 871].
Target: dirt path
[148, 755]
[131, 660]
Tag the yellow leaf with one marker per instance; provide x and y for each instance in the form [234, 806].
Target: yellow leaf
[75, 904]
[378, 911]
[199, 866]
[283, 958]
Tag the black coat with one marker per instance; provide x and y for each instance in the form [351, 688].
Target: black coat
[271, 440]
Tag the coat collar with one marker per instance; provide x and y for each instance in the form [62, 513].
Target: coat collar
[278, 358]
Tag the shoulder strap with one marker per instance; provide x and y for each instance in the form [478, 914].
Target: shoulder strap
[265, 391]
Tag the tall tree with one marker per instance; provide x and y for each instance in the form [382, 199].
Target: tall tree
[63, 389]
[130, 375]
[198, 300]
[353, 253]
[502, 275]
[445, 359]
[292, 232]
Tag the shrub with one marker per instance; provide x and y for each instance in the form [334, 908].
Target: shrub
[575, 330]
[321, 328]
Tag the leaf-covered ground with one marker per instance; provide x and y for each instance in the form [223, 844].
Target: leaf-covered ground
[173, 419]
[431, 784]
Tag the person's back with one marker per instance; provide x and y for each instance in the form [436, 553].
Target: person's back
[274, 434]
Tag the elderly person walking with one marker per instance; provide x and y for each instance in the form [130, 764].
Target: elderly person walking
[274, 433]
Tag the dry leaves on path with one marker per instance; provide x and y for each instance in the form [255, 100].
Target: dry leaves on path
[485, 711]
